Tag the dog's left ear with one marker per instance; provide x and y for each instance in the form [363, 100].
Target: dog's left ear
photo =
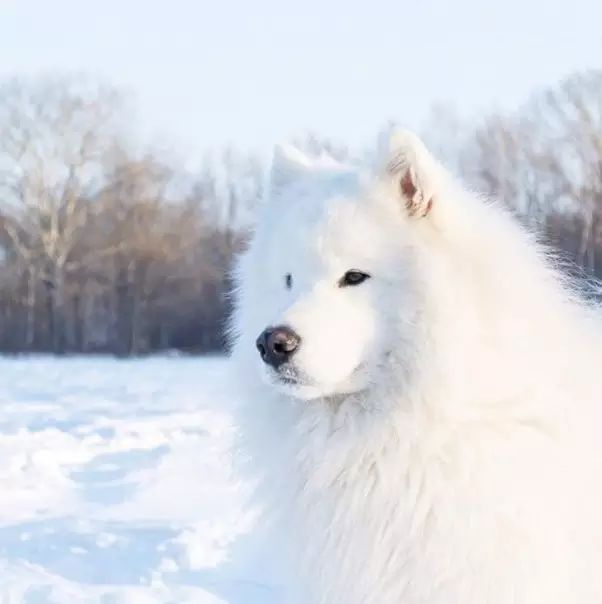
[414, 172]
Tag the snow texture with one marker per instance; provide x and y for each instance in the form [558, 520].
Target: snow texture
[118, 486]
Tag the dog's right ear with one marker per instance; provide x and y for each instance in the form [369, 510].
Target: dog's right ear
[288, 165]
[413, 171]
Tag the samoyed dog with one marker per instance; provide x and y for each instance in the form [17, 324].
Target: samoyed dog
[423, 390]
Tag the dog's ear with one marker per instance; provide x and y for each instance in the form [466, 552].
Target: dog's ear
[288, 165]
[413, 171]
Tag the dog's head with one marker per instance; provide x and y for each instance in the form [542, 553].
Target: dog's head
[327, 291]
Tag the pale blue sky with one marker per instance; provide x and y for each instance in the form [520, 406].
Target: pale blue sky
[207, 73]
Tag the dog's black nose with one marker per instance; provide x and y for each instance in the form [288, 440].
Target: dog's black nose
[277, 345]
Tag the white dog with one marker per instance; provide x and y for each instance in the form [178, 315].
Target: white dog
[425, 390]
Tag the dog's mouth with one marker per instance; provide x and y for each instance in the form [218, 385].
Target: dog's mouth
[293, 382]
[288, 375]
[288, 381]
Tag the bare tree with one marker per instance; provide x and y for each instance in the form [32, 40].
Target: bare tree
[545, 161]
[54, 135]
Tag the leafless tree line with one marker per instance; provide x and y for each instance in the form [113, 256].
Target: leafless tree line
[544, 160]
[105, 247]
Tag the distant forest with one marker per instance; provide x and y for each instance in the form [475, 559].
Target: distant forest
[109, 247]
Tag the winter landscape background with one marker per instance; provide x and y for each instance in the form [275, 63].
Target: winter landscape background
[134, 144]
[107, 245]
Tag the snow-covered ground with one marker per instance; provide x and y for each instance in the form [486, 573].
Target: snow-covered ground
[117, 485]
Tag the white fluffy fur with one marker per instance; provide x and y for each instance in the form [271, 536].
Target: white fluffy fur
[444, 444]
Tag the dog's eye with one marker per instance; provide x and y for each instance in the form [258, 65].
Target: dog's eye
[288, 280]
[353, 277]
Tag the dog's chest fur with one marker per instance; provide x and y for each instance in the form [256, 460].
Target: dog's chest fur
[435, 514]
